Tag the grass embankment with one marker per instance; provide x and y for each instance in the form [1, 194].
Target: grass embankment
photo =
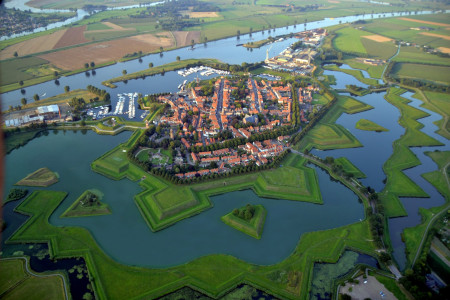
[163, 203]
[355, 73]
[327, 135]
[213, 275]
[253, 227]
[17, 283]
[82, 207]
[374, 71]
[41, 177]
[368, 125]
[349, 167]
[398, 184]
[437, 102]
[159, 69]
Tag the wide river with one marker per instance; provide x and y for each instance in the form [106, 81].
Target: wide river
[124, 234]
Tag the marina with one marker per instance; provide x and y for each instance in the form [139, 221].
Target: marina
[204, 71]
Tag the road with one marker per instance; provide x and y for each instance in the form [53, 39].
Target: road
[219, 104]
[66, 291]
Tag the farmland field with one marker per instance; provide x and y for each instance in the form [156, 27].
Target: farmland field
[107, 51]
[349, 40]
[12, 71]
[413, 54]
[439, 74]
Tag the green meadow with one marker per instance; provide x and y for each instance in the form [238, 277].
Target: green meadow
[368, 125]
[252, 227]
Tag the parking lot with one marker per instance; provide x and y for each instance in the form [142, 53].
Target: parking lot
[371, 289]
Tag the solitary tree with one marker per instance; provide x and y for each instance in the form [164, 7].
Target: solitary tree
[150, 65]
[86, 65]
[36, 97]
[66, 89]
[161, 49]
[16, 54]
[192, 43]
[92, 64]
[178, 58]
[55, 73]
[124, 72]
[21, 83]
[23, 101]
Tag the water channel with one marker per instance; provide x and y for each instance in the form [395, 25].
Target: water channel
[378, 148]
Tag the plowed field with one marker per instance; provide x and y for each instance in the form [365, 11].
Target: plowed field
[75, 58]
[73, 36]
[184, 38]
[39, 44]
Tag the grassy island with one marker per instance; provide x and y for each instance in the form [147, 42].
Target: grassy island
[248, 219]
[357, 90]
[88, 204]
[42, 177]
[15, 194]
[368, 125]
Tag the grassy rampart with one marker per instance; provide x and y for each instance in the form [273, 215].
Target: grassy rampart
[398, 184]
[41, 177]
[213, 275]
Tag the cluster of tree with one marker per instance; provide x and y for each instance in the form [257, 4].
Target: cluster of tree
[297, 45]
[77, 104]
[245, 213]
[337, 168]
[415, 281]
[104, 96]
[92, 8]
[16, 194]
[87, 65]
[90, 199]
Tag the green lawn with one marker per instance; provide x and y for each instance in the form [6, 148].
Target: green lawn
[374, 71]
[19, 284]
[368, 125]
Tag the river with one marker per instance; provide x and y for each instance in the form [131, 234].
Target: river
[224, 50]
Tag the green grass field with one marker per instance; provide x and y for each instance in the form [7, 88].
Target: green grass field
[438, 74]
[349, 40]
[253, 227]
[368, 125]
[374, 71]
[415, 55]
[379, 50]
[19, 284]
[42, 177]
[14, 70]
[437, 178]
[349, 167]
[437, 102]
[61, 98]
[328, 135]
